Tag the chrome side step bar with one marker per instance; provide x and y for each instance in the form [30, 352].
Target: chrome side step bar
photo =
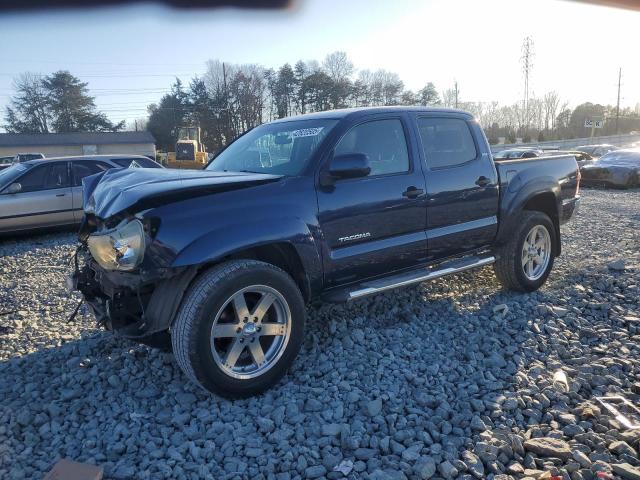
[422, 275]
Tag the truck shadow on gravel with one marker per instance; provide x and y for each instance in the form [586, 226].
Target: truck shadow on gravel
[393, 383]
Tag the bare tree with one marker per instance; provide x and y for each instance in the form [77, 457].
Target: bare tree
[449, 98]
[551, 102]
[28, 110]
[338, 66]
[536, 113]
[137, 125]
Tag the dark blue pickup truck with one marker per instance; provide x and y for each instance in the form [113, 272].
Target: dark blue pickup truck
[330, 206]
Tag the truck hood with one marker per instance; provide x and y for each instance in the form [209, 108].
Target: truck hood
[113, 191]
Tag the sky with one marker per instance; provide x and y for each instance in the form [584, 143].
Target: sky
[130, 55]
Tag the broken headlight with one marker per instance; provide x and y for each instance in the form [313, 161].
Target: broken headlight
[119, 249]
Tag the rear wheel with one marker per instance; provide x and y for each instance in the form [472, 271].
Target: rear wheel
[525, 262]
[239, 328]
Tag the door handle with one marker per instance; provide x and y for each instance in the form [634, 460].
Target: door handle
[60, 194]
[483, 181]
[413, 192]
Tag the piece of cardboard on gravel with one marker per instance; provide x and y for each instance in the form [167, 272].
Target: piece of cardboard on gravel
[66, 469]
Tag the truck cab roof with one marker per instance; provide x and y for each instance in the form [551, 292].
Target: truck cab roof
[342, 113]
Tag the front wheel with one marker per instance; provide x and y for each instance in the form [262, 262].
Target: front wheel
[239, 328]
[525, 262]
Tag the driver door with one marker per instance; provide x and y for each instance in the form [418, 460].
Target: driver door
[374, 224]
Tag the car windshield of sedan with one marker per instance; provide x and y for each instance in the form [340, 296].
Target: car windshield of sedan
[282, 148]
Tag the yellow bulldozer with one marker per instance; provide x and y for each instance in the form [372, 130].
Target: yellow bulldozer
[190, 152]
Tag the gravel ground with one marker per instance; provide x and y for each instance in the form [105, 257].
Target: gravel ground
[435, 381]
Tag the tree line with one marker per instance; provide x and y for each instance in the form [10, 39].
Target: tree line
[56, 103]
[229, 99]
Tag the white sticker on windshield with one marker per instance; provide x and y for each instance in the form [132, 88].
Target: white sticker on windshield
[306, 132]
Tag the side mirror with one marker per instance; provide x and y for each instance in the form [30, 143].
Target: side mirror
[14, 188]
[350, 165]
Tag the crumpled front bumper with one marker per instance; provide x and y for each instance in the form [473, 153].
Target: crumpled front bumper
[128, 303]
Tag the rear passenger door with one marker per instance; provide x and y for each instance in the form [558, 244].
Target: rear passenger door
[79, 170]
[43, 201]
[462, 185]
[374, 224]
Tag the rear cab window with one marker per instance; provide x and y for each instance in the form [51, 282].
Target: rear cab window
[446, 142]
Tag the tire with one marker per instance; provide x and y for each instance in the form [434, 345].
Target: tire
[226, 360]
[510, 268]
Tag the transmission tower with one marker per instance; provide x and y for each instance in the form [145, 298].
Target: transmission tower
[527, 65]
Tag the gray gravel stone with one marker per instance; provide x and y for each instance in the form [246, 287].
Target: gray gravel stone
[425, 468]
[548, 447]
[626, 471]
[316, 471]
[374, 407]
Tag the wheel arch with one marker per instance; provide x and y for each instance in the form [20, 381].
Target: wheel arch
[280, 254]
[285, 243]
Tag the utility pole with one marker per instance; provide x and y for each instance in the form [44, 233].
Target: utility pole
[618, 104]
[527, 66]
[456, 91]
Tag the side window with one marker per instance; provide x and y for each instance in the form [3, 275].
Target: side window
[123, 162]
[446, 142]
[383, 141]
[33, 180]
[84, 169]
[45, 177]
[528, 155]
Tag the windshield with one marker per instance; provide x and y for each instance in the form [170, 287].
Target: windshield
[275, 148]
[9, 174]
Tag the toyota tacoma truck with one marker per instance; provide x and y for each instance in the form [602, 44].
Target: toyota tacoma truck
[329, 206]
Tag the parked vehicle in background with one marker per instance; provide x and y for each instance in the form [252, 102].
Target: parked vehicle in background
[514, 153]
[620, 169]
[190, 152]
[23, 157]
[596, 150]
[46, 193]
[5, 162]
[583, 159]
[352, 202]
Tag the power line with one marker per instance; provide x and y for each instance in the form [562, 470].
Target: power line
[114, 75]
[136, 64]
